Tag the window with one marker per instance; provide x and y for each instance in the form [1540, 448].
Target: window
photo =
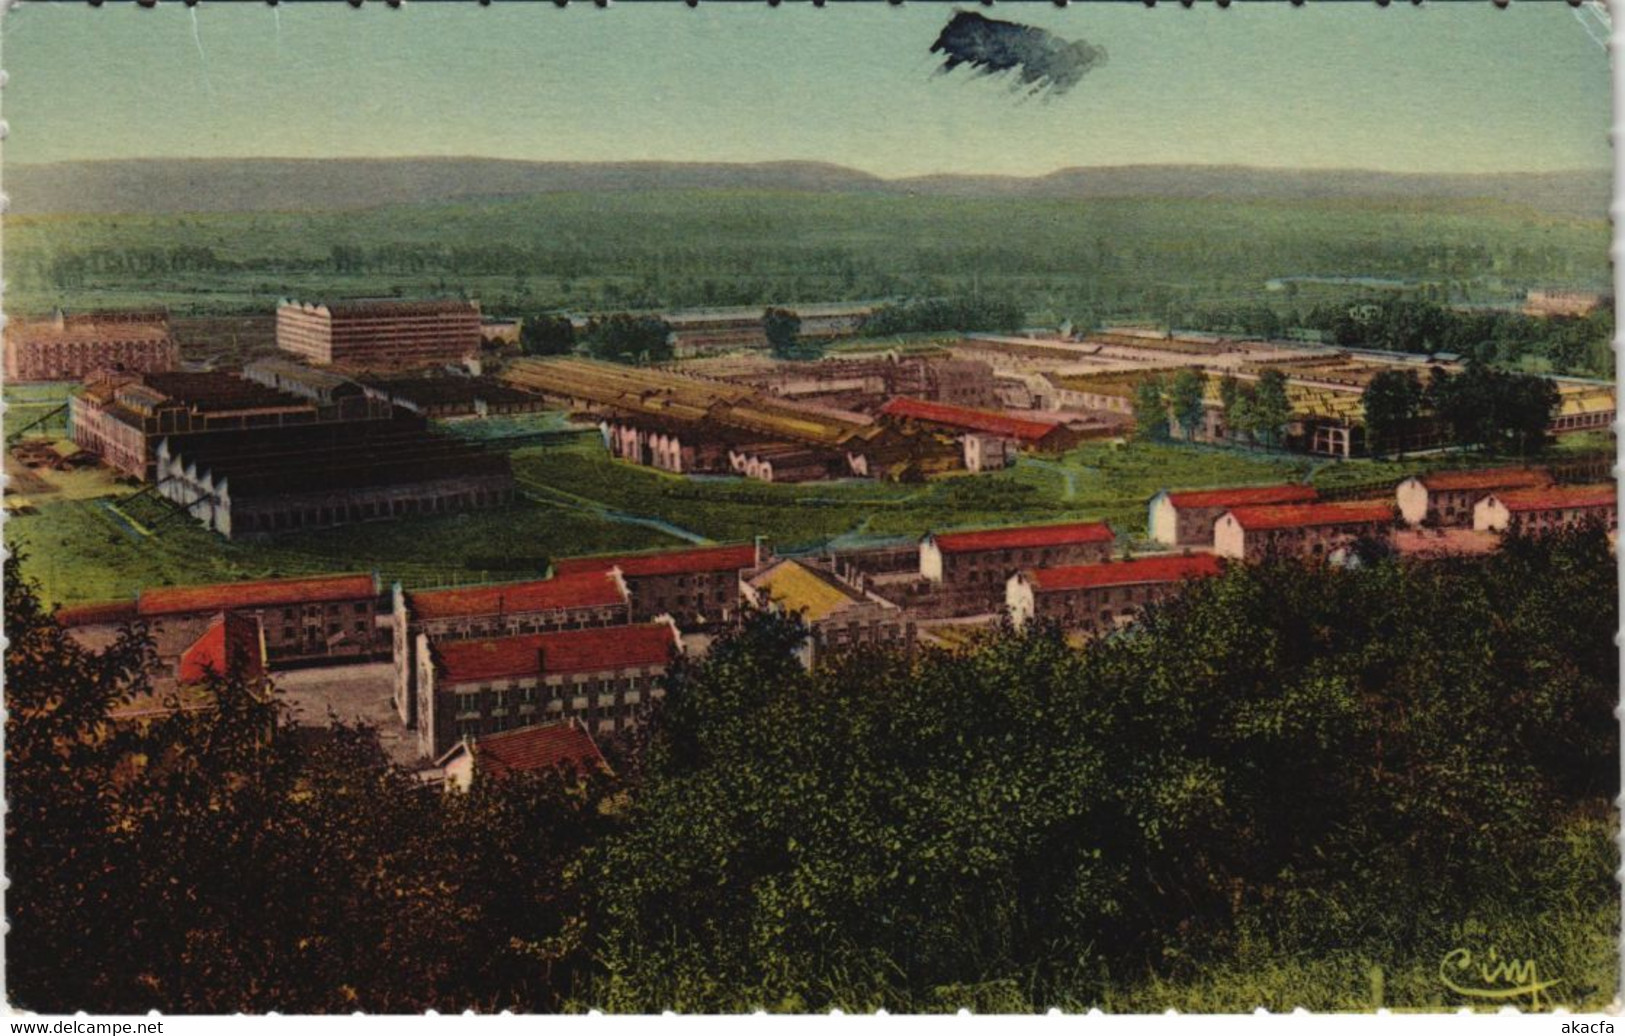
[361, 608]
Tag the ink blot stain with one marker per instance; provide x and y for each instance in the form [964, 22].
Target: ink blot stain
[1042, 62]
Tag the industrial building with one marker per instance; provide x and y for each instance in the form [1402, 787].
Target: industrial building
[121, 416]
[266, 481]
[696, 587]
[452, 395]
[67, 347]
[1449, 497]
[1186, 518]
[637, 404]
[380, 334]
[1305, 530]
[606, 678]
[1099, 598]
[576, 601]
[304, 620]
[1529, 511]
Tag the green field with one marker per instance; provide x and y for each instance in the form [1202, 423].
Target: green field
[1084, 259]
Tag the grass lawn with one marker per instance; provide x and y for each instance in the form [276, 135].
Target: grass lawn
[81, 551]
[576, 499]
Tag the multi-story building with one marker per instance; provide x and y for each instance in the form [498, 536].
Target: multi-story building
[64, 347]
[1309, 530]
[606, 678]
[1185, 519]
[987, 558]
[1099, 598]
[1528, 511]
[696, 587]
[577, 601]
[1449, 497]
[122, 415]
[839, 618]
[380, 334]
[304, 620]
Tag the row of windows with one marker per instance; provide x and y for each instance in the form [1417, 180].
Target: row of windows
[357, 512]
[333, 629]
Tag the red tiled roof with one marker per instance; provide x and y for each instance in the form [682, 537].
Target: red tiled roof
[1298, 516]
[531, 749]
[1559, 498]
[100, 613]
[1168, 568]
[666, 562]
[262, 593]
[568, 651]
[577, 590]
[231, 646]
[1024, 536]
[1487, 478]
[1244, 496]
[989, 421]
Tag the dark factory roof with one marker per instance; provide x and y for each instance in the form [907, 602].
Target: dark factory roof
[333, 456]
[211, 391]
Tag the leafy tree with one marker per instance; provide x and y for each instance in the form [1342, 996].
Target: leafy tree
[218, 860]
[1317, 759]
[547, 334]
[1185, 395]
[783, 329]
[1151, 409]
[624, 338]
[1392, 401]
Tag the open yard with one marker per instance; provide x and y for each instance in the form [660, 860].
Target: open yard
[96, 539]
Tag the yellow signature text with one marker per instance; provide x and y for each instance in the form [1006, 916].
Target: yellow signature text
[1492, 977]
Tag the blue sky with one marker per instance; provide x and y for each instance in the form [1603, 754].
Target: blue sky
[1440, 87]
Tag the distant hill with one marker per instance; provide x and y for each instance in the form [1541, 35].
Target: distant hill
[263, 184]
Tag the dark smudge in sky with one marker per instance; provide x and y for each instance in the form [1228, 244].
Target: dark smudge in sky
[1041, 61]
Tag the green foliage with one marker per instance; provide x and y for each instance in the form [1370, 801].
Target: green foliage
[546, 334]
[1574, 345]
[624, 338]
[783, 329]
[1498, 411]
[1392, 400]
[946, 314]
[1270, 409]
[1286, 764]
[1151, 409]
[1185, 393]
[217, 860]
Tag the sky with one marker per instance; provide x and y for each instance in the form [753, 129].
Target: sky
[1443, 87]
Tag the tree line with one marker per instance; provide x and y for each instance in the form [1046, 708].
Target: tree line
[1285, 763]
[1495, 411]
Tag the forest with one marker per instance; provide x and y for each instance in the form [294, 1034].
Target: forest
[1090, 261]
[1289, 785]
